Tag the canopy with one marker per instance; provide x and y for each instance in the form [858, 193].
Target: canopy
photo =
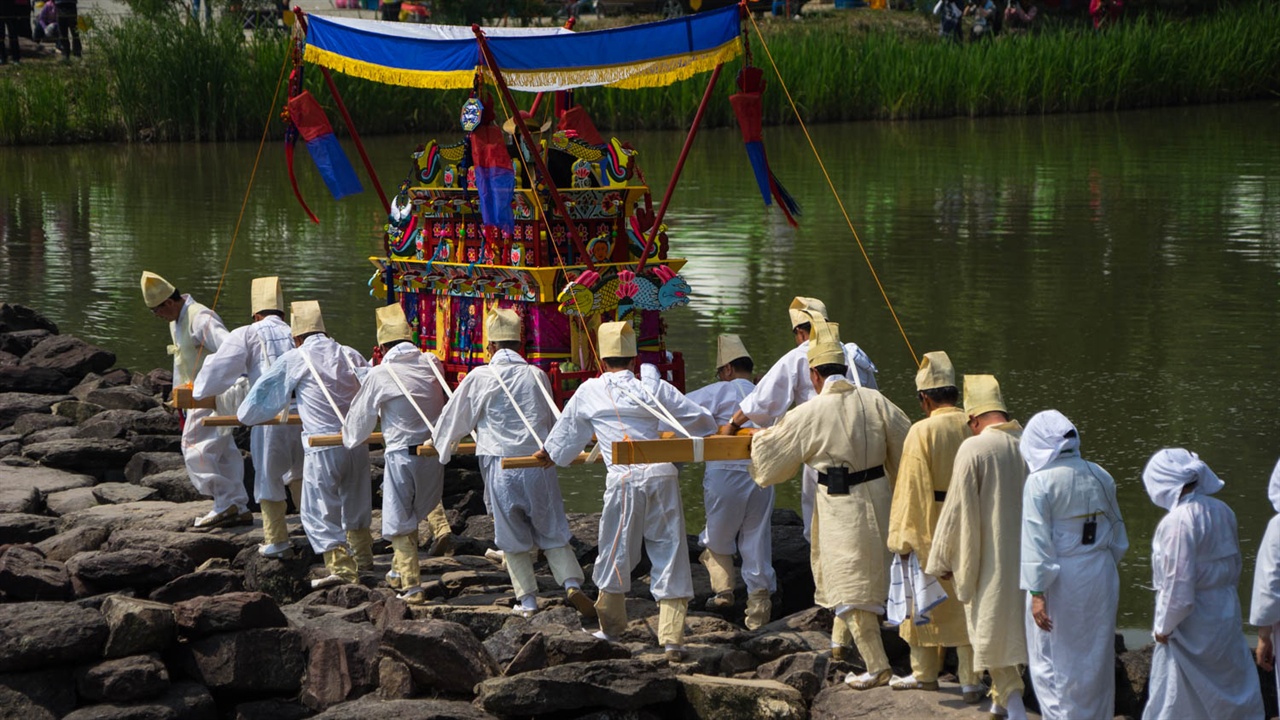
[532, 59]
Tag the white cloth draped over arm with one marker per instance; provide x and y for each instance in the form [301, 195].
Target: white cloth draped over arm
[270, 395]
[1039, 559]
[222, 368]
[571, 432]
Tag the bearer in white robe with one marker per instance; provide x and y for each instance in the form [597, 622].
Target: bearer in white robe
[507, 405]
[853, 435]
[1264, 608]
[976, 542]
[1073, 537]
[404, 393]
[1201, 669]
[641, 502]
[213, 461]
[787, 384]
[337, 493]
[249, 351]
[739, 512]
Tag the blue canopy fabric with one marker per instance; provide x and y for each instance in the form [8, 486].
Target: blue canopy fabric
[531, 59]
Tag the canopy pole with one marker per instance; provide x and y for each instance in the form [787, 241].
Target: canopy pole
[527, 137]
[355, 137]
[675, 175]
[537, 99]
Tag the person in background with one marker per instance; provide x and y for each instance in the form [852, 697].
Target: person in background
[1073, 537]
[949, 14]
[1105, 13]
[11, 18]
[1264, 608]
[986, 19]
[1201, 668]
[69, 27]
[47, 23]
[738, 511]
[1017, 18]
[976, 542]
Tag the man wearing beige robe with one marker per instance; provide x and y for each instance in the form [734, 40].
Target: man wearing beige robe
[923, 478]
[853, 437]
[977, 543]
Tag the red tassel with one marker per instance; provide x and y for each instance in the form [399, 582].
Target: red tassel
[293, 180]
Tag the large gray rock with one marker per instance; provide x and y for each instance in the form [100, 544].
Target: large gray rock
[40, 695]
[66, 502]
[618, 684]
[791, 564]
[14, 405]
[442, 656]
[771, 646]
[806, 672]
[94, 381]
[34, 379]
[145, 515]
[35, 635]
[267, 661]
[711, 698]
[69, 355]
[156, 422]
[208, 615]
[371, 708]
[285, 580]
[183, 701]
[25, 574]
[157, 382]
[23, 528]
[127, 397]
[342, 661]
[841, 701]
[63, 546]
[150, 463]
[273, 709]
[43, 480]
[136, 626]
[110, 423]
[49, 435]
[20, 342]
[116, 493]
[199, 583]
[21, 499]
[1133, 672]
[16, 318]
[89, 455]
[102, 571]
[172, 485]
[155, 443]
[78, 411]
[32, 422]
[137, 677]
[200, 547]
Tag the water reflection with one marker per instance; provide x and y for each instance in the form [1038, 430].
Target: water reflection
[1121, 268]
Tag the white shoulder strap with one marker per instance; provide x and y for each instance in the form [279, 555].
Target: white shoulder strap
[551, 403]
[396, 378]
[319, 381]
[515, 404]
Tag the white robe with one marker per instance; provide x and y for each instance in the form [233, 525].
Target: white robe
[527, 506]
[250, 351]
[641, 502]
[1264, 606]
[1073, 666]
[1205, 671]
[411, 484]
[212, 459]
[336, 488]
[739, 512]
[787, 384]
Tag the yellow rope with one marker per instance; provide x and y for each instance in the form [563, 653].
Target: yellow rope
[834, 192]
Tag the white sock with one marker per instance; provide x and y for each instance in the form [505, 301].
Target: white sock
[572, 584]
[1017, 710]
[529, 602]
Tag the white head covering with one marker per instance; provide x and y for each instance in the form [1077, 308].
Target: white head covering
[155, 289]
[982, 395]
[617, 340]
[935, 371]
[1273, 490]
[502, 325]
[824, 343]
[392, 324]
[802, 307]
[265, 294]
[306, 317]
[1172, 468]
[729, 347]
[1045, 437]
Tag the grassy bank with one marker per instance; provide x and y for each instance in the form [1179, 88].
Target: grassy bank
[174, 80]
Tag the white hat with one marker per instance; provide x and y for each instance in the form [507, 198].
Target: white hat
[1171, 469]
[392, 324]
[1046, 436]
[617, 339]
[155, 289]
[306, 318]
[935, 371]
[800, 310]
[729, 348]
[502, 325]
[265, 294]
[982, 395]
[824, 344]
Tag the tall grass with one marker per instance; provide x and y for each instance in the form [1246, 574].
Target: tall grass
[158, 76]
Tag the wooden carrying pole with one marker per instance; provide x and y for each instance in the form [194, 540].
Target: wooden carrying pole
[431, 451]
[528, 461]
[233, 421]
[336, 440]
[716, 447]
[183, 400]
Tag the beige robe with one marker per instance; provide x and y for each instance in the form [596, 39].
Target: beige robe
[927, 460]
[978, 538]
[860, 429]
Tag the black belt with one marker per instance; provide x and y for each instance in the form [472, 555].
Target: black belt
[858, 477]
[939, 495]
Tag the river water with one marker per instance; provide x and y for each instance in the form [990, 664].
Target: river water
[1121, 268]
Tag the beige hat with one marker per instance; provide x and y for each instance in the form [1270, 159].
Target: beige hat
[265, 294]
[392, 324]
[801, 307]
[306, 318]
[155, 289]
[982, 395]
[617, 339]
[824, 344]
[935, 371]
[502, 325]
[729, 348]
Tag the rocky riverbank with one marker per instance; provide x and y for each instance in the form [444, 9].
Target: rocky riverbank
[114, 607]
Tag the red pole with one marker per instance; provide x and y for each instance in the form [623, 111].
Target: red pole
[537, 99]
[675, 175]
[538, 163]
[351, 127]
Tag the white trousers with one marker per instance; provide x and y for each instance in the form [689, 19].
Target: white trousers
[411, 488]
[213, 462]
[277, 460]
[527, 507]
[644, 511]
[808, 490]
[336, 495]
[739, 515]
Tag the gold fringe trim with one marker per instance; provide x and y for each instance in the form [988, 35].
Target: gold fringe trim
[658, 73]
